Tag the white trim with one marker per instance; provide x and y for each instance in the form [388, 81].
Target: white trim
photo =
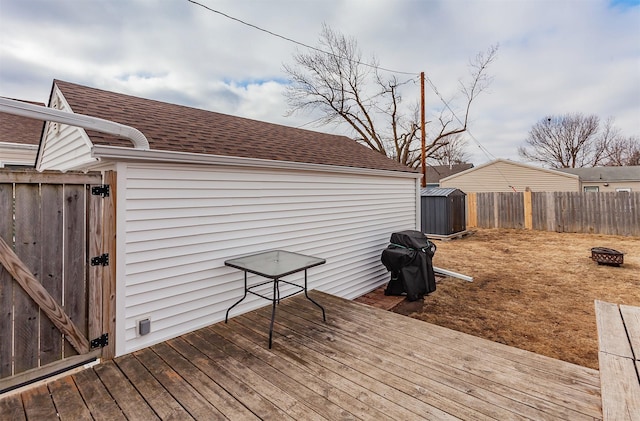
[129, 154]
[121, 258]
[18, 146]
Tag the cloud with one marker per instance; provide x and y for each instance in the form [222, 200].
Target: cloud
[555, 57]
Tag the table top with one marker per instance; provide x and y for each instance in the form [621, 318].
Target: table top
[275, 264]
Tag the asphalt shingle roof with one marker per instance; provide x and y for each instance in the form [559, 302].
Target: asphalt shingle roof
[171, 127]
[22, 130]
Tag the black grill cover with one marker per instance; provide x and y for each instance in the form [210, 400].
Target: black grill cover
[408, 258]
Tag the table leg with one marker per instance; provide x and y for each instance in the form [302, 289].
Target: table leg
[226, 317]
[311, 299]
[273, 308]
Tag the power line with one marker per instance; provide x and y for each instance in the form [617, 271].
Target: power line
[431, 84]
[298, 42]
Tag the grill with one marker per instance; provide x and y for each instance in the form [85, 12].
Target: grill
[605, 256]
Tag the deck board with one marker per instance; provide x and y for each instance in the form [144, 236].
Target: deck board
[363, 363]
[619, 344]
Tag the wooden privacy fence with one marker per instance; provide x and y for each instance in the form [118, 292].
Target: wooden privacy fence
[51, 298]
[601, 213]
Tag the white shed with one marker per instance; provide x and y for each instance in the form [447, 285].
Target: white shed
[213, 187]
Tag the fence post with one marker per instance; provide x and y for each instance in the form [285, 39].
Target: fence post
[528, 210]
[472, 210]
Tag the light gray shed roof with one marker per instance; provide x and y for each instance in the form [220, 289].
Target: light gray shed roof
[595, 174]
[439, 191]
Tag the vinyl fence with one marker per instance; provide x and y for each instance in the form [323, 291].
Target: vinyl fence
[602, 213]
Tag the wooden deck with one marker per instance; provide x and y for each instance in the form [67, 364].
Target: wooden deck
[619, 360]
[364, 363]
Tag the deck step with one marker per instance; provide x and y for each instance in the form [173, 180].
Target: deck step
[619, 360]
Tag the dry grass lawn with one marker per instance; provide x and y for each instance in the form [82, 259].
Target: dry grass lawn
[532, 290]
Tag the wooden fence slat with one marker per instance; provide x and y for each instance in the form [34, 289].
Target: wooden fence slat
[613, 213]
[27, 245]
[6, 287]
[51, 242]
[41, 297]
[75, 294]
[109, 273]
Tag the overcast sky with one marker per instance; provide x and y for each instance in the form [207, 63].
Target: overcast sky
[555, 57]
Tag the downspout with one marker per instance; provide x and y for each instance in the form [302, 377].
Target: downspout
[37, 112]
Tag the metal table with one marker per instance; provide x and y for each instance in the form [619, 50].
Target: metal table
[274, 265]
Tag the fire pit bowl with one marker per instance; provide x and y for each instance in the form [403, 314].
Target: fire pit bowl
[605, 256]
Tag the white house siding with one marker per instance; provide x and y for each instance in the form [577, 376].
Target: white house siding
[182, 222]
[17, 154]
[506, 176]
[64, 147]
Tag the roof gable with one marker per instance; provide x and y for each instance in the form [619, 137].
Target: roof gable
[435, 173]
[502, 162]
[176, 128]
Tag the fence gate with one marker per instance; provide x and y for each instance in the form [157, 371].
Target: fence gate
[51, 293]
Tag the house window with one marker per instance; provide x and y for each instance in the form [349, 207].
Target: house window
[595, 189]
[624, 189]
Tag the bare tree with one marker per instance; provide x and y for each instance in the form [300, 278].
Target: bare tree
[623, 151]
[334, 81]
[453, 151]
[568, 141]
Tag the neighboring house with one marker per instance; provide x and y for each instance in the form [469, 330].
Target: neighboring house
[19, 138]
[503, 175]
[435, 173]
[607, 179]
[213, 187]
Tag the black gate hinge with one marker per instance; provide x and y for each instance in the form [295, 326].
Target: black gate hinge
[102, 190]
[101, 341]
[102, 260]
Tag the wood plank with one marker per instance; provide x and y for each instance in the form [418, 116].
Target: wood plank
[109, 206]
[323, 380]
[38, 404]
[68, 400]
[256, 403]
[75, 261]
[33, 176]
[612, 336]
[620, 388]
[11, 408]
[97, 397]
[156, 396]
[319, 406]
[469, 381]
[184, 393]
[94, 275]
[265, 387]
[38, 373]
[631, 317]
[51, 240]
[472, 210]
[528, 212]
[211, 391]
[41, 297]
[562, 391]
[421, 396]
[27, 247]
[7, 285]
[123, 392]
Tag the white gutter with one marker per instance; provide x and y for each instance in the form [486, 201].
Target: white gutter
[37, 112]
[127, 154]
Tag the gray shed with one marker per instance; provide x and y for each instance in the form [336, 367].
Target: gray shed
[443, 211]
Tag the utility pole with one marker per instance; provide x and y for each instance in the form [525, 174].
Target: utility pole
[423, 158]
